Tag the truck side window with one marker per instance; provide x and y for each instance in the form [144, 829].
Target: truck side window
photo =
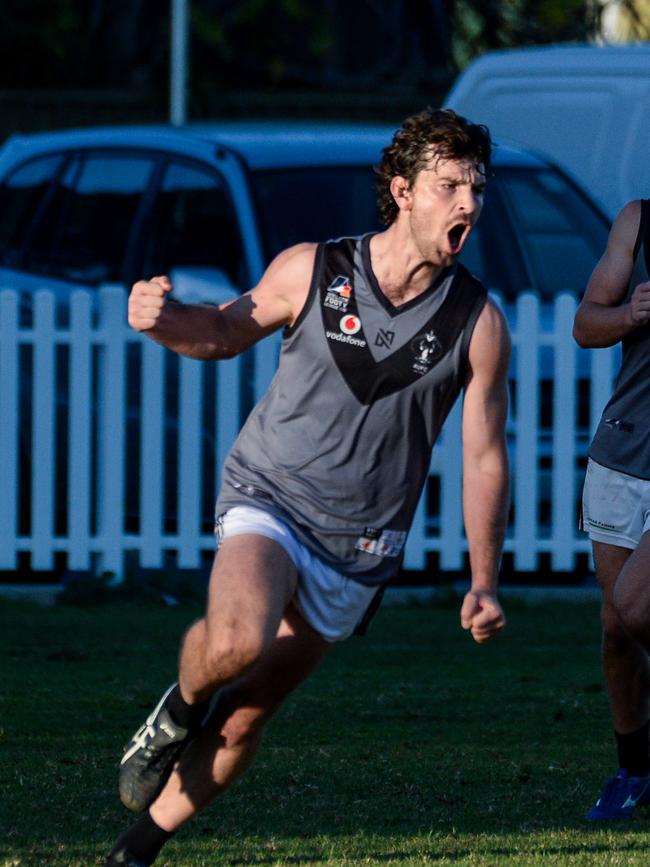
[83, 235]
[20, 196]
[194, 224]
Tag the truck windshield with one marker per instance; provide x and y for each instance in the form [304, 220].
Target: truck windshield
[314, 204]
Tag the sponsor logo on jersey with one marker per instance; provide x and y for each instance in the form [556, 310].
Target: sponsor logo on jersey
[350, 324]
[426, 349]
[342, 286]
[338, 294]
[384, 338]
[345, 338]
[381, 543]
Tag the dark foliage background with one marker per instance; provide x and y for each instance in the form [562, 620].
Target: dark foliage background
[66, 62]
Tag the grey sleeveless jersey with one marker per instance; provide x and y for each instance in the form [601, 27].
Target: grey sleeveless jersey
[340, 445]
[622, 440]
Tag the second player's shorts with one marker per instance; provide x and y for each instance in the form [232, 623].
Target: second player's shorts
[333, 604]
[615, 506]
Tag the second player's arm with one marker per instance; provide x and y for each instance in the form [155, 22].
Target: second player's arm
[485, 469]
[209, 332]
[602, 319]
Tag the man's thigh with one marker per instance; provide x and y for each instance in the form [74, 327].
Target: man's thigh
[609, 561]
[632, 590]
[334, 604]
[252, 582]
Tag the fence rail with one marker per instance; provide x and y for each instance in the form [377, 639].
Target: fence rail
[111, 445]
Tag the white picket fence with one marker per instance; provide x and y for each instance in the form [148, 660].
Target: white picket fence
[96, 534]
[63, 485]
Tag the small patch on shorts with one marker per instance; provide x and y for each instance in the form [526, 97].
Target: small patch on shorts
[382, 543]
[600, 525]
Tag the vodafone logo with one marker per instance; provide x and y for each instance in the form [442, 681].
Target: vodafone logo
[350, 324]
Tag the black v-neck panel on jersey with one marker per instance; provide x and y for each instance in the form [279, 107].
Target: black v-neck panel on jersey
[390, 308]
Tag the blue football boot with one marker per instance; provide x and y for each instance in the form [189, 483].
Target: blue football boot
[621, 795]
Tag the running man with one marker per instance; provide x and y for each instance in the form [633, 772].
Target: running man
[382, 332]
[616, 499]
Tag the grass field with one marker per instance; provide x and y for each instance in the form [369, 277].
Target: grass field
[410, 746]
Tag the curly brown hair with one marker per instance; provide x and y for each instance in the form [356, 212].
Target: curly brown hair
[431, 133]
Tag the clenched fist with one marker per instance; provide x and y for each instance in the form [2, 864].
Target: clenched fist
[482, 615]
[146, 302]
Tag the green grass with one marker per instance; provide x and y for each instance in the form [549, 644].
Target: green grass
[411, 746]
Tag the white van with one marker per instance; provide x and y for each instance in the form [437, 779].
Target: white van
[586, 107]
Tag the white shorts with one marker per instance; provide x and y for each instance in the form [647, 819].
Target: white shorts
[333, 604]
[615, 506]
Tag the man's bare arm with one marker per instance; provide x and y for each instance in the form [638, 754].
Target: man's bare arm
[485, 469]
[208, 332]
[601, 319]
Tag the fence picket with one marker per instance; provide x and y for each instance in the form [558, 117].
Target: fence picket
[80, 432]
[152, 465]
[9, 435]
[564, 436]
[43, 432]
[111, 411]
[190, 462]
[526, 425]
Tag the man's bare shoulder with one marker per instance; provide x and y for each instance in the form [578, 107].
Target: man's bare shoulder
[490, 344]
[626, 226]
[492, 321]
[295, 261]
[630, 212]
[286, 281]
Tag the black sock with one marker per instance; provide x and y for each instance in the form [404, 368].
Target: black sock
[633, 751]
[143, 840]
[189, 716]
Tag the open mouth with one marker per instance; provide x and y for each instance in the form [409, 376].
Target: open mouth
[456, 236]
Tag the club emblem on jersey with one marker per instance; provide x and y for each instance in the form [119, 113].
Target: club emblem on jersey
[350, 324]
[426, 349]
[338, 293]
